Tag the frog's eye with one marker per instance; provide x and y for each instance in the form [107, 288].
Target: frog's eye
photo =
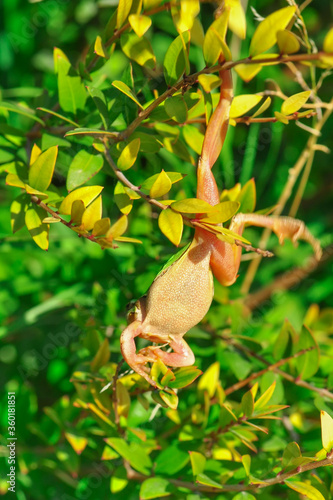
[131, 305]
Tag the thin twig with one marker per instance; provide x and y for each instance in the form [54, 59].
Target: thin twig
[114, 392]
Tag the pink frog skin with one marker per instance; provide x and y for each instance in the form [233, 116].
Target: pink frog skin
[180, 296]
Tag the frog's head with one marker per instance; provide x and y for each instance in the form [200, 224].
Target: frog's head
[135, 310]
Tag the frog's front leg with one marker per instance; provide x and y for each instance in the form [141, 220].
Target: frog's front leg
[283, 227]
[128, 350]
[182, 354]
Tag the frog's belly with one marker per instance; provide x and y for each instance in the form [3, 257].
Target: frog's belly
[180, 298]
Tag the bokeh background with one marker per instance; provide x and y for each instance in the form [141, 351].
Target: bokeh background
[81, 291]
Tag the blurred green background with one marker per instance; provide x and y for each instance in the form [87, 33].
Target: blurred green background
[76, 283]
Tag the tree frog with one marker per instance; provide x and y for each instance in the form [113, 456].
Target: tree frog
[181, 295]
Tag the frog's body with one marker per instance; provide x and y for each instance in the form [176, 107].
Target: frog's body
[182, 293]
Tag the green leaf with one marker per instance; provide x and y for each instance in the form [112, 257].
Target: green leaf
[175, 60]
[38, 230]
[18, 209]
[129, 155]
[215, 33]
[176, 108]
[138, 49]
[123, 399]
[139, 23]
[83, 167]
[91, 131]
[154, 487]
[241, 104]
[78, 443]
[127, 91]
[92, 214]
[305, 489]
[281, 117]
[210, 379]
[184, 376]
[124, 8]
[198, 462]
[86, 194]
[101, 104]
[169, 397]
[288, 42]
[295, 102]
[291, 452]
[161, 186]
[207, 481]
[72, 94]
[244, 495]
[307, 364]
[265, 35]
[192, 206]
[247, 197]
[248, 404]
[171, 460]
[246, 461]
[21, 110]
[171, 224]
[102, 356]
[134, 453]
[58, 115]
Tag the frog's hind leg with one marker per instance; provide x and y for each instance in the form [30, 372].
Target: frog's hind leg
[128, 350]
[182, 354]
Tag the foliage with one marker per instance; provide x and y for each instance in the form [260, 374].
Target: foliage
[118, 109]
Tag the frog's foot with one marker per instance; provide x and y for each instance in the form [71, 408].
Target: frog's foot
[128, 350]
[283, 227]
[182, 355]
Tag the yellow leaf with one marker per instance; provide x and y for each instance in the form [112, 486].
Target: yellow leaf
[328, 42]
[118, 228]
[184, 18]
[126, 239]
[35, 152]
[38, 230]
[192, 206]
[78, 443]
[122, 199]
[14, 180]
[211, 45]
[87, 194]
[265, 105]
[161, 186]
[209, 380]
[295, 102]
[124, 7]
[197, 33]
[123, 399]
[326, 431]
[101, 357]
[237, 20]
[92, 214]
[241, 104]
[50, 220]
[209, 82]
[264, 398]
[99, 48]
[101, 227]
[139, 23]
[305, 489]
[77, 211]
[288, 42]
[41, 171]
[247, 71]
[128, 155]
[58, 54]
[222, 212]
[265, 35]
[281, 117]
[171, 225]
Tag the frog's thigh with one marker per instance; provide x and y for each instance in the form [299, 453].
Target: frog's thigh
[182, 355]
